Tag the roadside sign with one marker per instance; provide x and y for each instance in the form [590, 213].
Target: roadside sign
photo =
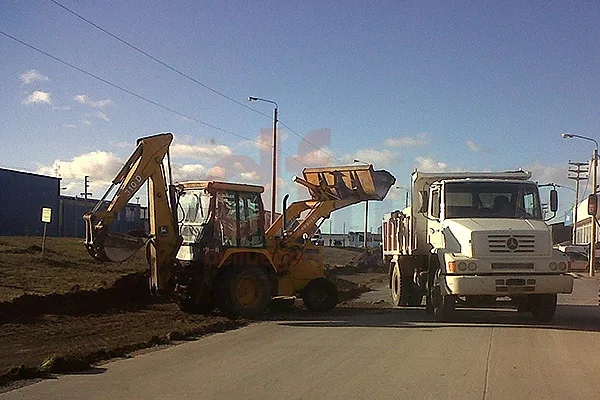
[46, 219]
[46, 215]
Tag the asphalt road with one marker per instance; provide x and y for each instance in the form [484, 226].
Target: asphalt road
[365, 353]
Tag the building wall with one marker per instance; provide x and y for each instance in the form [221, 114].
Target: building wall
[22, 196]
[584, 224]
[132, 217]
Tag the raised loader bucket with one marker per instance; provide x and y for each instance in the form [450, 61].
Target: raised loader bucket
[358, 182]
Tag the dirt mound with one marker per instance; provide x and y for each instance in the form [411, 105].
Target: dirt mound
[366, 261]
[128, 290]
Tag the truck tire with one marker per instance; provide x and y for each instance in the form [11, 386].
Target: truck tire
[245, 292]
[398, 287]
[543, 307]
[320, 295]
[444, 306]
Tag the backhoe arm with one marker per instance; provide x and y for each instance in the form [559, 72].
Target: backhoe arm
[144, 165]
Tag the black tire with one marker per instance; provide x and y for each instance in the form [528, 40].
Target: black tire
[320, 295]
[396, 286]
[444, 306]
[245, 292]
[543, 307]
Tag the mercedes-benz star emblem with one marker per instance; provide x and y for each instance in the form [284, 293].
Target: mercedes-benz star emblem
[512, 243]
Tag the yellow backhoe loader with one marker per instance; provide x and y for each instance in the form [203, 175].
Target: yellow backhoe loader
[208, 244]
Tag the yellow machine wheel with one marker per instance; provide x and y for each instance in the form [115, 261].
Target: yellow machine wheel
[247, 292]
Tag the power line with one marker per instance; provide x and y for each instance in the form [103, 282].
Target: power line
[177, 71]
[114, 85]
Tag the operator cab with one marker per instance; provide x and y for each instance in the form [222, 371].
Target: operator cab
[219, 215]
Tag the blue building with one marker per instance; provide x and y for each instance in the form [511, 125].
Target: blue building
[22, 196]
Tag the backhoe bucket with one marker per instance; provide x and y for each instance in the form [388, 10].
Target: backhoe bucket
[359, 182]
[115, 247]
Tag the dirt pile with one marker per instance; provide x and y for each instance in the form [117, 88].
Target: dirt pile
[365, 261]
[126, 292]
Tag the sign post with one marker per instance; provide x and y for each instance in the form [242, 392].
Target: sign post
[46, 219]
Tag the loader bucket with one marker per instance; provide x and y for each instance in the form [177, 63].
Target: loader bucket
[359, 182]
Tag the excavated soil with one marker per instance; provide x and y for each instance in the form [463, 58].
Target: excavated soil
[69, 321]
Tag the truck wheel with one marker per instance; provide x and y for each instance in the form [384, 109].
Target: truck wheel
[396, 285]
[543, 307]
[320, 295]
[443, 305]
[247, 293]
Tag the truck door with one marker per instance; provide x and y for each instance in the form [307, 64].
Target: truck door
[434, 224]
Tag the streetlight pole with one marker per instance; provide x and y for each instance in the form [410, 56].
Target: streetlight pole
[594, 193]
[366, 212]
[577, 177]
[274, 168]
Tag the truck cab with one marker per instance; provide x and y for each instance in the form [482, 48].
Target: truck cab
[476, 239]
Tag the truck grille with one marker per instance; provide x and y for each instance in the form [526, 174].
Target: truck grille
[511, 243]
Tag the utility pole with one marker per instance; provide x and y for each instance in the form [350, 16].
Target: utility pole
[366, 222]
[594, 167]
[577, 168]
[86, 186]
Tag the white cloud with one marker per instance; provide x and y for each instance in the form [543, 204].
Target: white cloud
[475, 148]
[379, 158]
[316, 158]
[101, 165]
[200, 151]
[420, 140]
[84, 99]
[189, 172]
[38, 97]
[217, 173]
[69, 126]
[32, 76]
[546, 174]
[426, 164]
[252, 176]
[102, 116]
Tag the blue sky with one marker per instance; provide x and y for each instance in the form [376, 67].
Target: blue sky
[481, 85]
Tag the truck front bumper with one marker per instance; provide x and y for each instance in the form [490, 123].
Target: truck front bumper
[508, 285]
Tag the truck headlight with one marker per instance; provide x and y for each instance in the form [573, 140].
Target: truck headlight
[472, 266]
[462, 266]
[553, 266]
[562, 266]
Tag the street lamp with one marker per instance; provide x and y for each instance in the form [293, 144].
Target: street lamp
[274, 169]
[594, 177]
[366, 211]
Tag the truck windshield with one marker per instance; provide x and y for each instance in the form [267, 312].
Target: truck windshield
[492, 200]
[192, 213]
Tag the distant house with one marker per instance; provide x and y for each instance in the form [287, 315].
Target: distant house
[22, 196]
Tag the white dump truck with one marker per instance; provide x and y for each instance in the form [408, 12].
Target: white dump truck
[474, 239]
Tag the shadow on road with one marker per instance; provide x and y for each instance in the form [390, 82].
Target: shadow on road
[568, 317]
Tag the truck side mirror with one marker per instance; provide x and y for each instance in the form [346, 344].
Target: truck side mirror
[593, 204]
[553, 200]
